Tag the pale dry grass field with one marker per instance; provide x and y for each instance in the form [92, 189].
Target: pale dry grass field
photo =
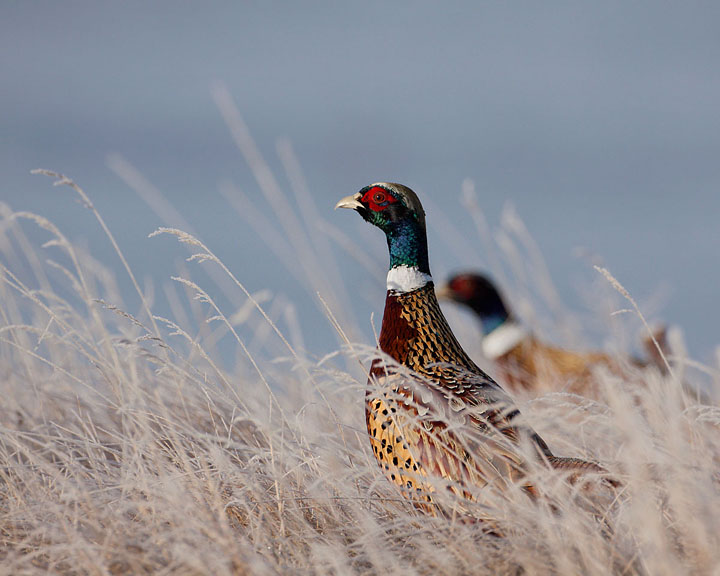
[130, 445]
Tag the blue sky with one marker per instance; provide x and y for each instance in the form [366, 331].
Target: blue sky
[598, 121]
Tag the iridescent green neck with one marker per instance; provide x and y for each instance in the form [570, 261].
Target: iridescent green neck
[407, 243]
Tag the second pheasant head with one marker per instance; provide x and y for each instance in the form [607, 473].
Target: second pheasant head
[478, 293]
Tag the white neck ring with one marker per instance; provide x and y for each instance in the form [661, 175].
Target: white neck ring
[503, 339]
[406, 279]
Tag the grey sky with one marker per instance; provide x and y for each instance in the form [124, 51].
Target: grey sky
[599, 121]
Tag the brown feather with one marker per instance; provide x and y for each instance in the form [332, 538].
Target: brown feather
[413, 420]
[535, 366]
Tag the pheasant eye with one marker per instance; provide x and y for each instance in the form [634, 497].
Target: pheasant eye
[377, 199]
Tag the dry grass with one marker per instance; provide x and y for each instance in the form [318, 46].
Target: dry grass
[126, 447]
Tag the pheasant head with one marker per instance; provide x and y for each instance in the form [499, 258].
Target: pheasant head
[396, 210]
[478, 293]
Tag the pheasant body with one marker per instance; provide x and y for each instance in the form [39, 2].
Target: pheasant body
[409, 434]
[431, 412]
[525, 363]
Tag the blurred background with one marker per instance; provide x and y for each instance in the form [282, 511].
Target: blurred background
[597, 122]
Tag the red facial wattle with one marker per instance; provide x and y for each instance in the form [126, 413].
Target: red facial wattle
[378, 199]
[462, 287]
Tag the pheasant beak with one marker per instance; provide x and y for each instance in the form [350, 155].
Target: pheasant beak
[443, 292]
[352, 202]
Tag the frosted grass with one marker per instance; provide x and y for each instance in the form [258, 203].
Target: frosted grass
[128, 447]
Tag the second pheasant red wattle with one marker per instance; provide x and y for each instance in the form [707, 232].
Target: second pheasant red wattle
[411, 418]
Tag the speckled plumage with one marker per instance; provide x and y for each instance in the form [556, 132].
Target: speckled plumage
[432, 413]
[409, 419]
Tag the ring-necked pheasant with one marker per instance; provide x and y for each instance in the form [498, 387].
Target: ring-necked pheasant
[524, 361]
[437, 415]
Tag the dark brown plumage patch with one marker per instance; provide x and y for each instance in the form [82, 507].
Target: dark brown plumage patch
[415, 334]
